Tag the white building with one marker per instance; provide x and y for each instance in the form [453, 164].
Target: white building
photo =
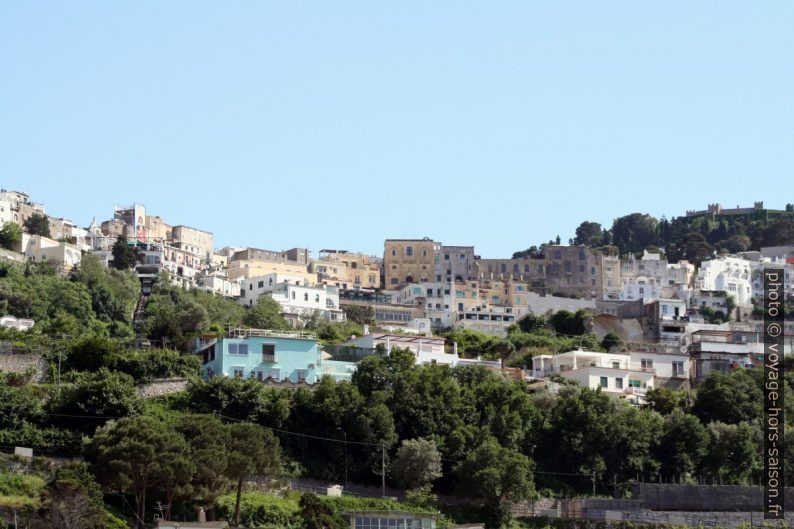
[20, 324]
[427, 349]
[728, 274]
[669, 369]
[614, 374]
[6, 215]
[62, 255]
[299, 302]
[643, 278]
[217, 282]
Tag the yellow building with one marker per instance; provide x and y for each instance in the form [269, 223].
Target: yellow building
[247, 268]
[410, 261]
[347, 270]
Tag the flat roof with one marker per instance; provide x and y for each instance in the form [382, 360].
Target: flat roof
[408, 338]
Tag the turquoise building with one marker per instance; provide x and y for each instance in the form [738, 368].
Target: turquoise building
[270, 356]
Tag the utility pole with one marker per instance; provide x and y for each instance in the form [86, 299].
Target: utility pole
[345, 434]
[383, 469]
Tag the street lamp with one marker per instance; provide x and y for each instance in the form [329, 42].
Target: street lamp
[344, 434]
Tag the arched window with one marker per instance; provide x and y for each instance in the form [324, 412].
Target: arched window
[305, 296]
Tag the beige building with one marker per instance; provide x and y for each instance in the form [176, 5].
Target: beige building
[296, 255]
[565, 270]
[244, 269]
[346, 270]
[20, 206]
[410, 261]
[611, 281]
[192, 239]
[60, 255]
[157, 229]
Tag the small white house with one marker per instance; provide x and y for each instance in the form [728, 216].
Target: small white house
[614, 374]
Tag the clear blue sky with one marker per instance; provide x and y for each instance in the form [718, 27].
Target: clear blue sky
[339, 124]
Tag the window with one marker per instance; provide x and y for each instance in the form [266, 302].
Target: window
[268, 353]
[238, 372]
[634, 383]
[317, 298]
[293, 294]
[678, 369]
[646, 363]
[615, 365]
[395, 281]
[424, 252]
[260, 284]
[393, 252]
[619, 383]
[305, 296]
[409, 251]
[446, 257]
[238, 349]
[604, 382]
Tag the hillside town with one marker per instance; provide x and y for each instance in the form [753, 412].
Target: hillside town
[362, 378]
[675, 321]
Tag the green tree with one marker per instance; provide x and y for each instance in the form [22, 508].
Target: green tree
[207, 439]
[361, 314]
[244, 400]
[173, 316]
[94, 397]
[37, 224]
[611, 340]
[693, 247]
[532, 323]
[733, 453]
[635, 232]
[418, 463]
[781, 233]
[499, 475]
[127, 456]
[266, 314]
[125, 256]
[10, 236]
[730, 397]
[252, 450]
[316, 514]
[589, 234]
[665, 400]
[682, 445]
[568, 323]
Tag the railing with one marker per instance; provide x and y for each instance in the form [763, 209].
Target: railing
[633, 390]
[267, 333]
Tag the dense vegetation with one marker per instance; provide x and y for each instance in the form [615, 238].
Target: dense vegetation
[693, 238]
[466, 431]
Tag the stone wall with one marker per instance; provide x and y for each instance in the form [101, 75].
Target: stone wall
[702, 497]
[162, 386]
[21, 363]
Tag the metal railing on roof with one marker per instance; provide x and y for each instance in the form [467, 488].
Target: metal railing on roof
[267, 333]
